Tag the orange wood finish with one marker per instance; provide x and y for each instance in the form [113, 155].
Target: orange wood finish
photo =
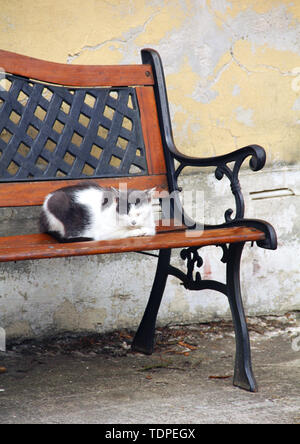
[76, 75]
[151, 131]
[20, 194]
[42, 246]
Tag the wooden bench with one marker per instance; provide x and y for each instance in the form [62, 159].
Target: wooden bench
[63, 123]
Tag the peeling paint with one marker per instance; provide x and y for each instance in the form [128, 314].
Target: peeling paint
[236, 90]
[219, 56]
[296, 106]
[244, 116]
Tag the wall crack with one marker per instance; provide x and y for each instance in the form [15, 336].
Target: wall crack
[128, 38]
[269, 67]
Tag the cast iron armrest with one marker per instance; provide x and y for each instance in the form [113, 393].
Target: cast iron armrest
[257, 161]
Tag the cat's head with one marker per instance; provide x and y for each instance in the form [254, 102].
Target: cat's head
[134, 207]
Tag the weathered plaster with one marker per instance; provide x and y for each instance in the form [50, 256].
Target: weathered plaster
[233, 76]
[111, 291]
[211, 49]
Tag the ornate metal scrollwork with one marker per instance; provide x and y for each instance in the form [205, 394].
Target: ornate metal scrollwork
[257, 160]
[193, 258]
[235, 186]
[225, 257]
[192, 280]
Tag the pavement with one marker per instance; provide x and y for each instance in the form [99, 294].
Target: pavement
[96, 379]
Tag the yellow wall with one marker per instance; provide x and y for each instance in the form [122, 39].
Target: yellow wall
[232, 67]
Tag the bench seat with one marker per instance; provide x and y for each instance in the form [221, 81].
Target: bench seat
[43, 246]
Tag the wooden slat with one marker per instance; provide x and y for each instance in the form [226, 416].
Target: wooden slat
[21, 194]
[151, 131]
[42, 246]
[43, 239]
[76, 75]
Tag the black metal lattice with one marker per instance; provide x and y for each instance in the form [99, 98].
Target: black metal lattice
[52, 132]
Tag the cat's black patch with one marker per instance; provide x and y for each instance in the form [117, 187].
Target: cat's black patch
[65, 240]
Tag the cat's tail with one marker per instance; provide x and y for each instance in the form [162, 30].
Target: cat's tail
[65, 240]
[54, 211]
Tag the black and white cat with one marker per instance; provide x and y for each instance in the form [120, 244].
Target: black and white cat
[88, 212]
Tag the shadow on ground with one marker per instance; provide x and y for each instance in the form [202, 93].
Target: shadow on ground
[188, 379]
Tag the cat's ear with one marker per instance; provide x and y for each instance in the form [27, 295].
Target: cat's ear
[150, 192]
[115, 193]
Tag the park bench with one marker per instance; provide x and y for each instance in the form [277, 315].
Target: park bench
[60, 124]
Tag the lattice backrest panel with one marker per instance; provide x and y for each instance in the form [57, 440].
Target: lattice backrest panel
[53, 132]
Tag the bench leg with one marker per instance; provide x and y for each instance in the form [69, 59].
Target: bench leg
[144, 337]
[243, 375]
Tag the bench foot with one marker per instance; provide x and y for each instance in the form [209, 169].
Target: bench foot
[144, 338]
[243, 375]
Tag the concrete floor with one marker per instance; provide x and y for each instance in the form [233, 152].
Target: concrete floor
[188, 379]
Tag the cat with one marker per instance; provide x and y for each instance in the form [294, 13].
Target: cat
[86, 211]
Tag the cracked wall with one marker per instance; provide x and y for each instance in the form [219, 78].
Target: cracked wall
[230, 65]
[233, 77]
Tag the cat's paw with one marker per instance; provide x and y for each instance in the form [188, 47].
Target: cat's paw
[150, 232]
[136, 232]
[147, 232]
[142, 232]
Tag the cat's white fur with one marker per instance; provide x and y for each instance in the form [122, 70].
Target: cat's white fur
[106, 223]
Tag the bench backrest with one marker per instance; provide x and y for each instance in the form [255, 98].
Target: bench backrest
[62, 123]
